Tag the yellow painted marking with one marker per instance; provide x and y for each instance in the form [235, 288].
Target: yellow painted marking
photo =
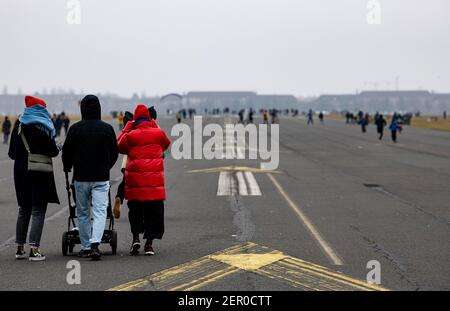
[247, 257]
[207, 279]
[322, 281]
[328, 250]
[285, 278]
[249, 262]
[187, 273]
[130, 285]
[327, 272]
[233, 168]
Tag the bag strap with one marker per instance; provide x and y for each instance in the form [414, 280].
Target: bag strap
[22, 135]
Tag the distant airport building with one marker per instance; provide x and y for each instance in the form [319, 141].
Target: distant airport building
[368, 101]
[385, 101]
[239, 100]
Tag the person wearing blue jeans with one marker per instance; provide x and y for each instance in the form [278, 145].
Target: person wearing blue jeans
[93, 194]
[91, 150]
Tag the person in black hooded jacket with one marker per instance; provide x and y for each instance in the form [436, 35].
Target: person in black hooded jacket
[91, 150]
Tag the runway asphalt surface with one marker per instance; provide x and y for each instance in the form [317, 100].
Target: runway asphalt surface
[339, 199]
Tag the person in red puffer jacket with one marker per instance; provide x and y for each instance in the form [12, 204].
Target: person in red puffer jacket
[144, 143]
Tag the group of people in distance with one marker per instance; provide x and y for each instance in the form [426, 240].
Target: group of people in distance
[380, 122]
[91, 150]
[61, 121]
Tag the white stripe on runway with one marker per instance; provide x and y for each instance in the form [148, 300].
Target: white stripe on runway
[252, 184]
[242, 183]
[224, 185]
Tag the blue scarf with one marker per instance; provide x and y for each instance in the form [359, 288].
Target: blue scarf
[38, 115]
[140, 120]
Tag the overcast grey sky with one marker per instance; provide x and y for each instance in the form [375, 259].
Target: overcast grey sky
[269, 46]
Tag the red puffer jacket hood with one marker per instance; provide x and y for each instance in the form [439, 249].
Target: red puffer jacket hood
[144, 173]
[141, 112]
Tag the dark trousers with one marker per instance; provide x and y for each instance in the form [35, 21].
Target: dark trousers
[37, 224]
[380, 133]
[121, 190]
[394, 136]
[148, 218]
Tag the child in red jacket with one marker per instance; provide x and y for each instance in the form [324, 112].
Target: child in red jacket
[144, 143]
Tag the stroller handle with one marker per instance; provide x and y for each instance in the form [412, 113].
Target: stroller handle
[70, 191]
[67, 181]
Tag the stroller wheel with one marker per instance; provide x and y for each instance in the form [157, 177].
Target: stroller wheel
[65, 243]
[114, 242]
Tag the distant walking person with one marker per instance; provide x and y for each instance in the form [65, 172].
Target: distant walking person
[144, 143]
[375, 118]
[120, 117]
[33, 136]
[274, 114]
[399, 120]
[251, 112]
[59, 124]
[241, 116]
[380, 122]
[321, 117]
[310, 117]
[6, 130]
[266, 117]
[347, 117]
[91, 150]
[66, 124]
[364, 122]
[394, 128]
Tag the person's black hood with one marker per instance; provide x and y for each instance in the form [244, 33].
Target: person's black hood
[127, 117]
[153, 113]
[90, 108]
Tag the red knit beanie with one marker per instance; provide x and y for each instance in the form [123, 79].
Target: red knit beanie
[141, 112]
[33, 101]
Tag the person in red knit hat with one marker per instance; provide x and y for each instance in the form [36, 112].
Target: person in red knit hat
[144, 143]
[31, 101]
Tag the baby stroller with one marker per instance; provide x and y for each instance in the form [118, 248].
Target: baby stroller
[71, 237]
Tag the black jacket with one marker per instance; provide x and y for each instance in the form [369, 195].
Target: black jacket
[6, 127]
[32, 188]
[91, 146]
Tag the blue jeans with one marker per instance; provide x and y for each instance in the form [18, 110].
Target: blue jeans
[93, 194]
